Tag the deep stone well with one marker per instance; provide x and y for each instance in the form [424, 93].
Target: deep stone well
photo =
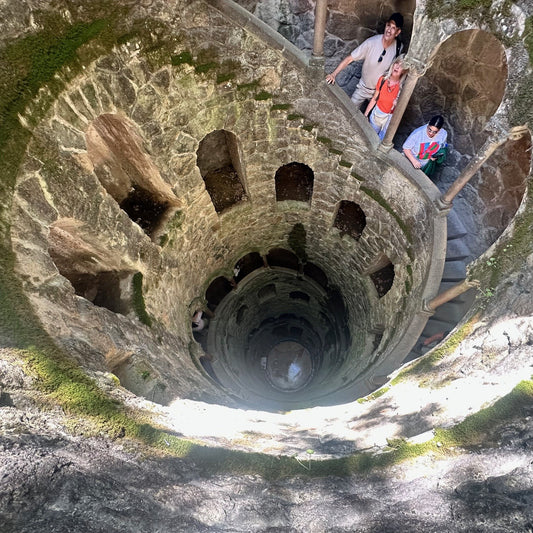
[161, 158]
[120, 157]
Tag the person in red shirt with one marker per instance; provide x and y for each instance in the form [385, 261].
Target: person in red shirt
[382, 104]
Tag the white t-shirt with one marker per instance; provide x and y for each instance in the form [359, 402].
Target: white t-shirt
[371, 50]
[422, 145]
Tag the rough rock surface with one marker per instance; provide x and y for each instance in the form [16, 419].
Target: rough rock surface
[53, 482]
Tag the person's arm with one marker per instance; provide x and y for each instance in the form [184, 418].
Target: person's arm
[372, 103]
[414, 161]
[330, 78]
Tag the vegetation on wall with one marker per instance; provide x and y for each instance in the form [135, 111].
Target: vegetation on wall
[376, 195]
[138, 299]
[297, 241]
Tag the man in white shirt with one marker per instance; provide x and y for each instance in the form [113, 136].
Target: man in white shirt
[377, 53]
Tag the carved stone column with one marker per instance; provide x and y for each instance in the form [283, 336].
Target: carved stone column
[321, 10]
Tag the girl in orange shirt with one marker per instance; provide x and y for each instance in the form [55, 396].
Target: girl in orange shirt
[385, 97]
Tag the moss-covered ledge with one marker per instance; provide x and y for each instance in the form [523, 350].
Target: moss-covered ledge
[67, 386]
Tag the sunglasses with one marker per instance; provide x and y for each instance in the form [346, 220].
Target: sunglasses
[382, 56]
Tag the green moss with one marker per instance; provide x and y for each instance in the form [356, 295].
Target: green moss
[356, 176]
[509, 253]
[335, 151]
[298, 241]
[138, 299]
[280, 107]
[458, 9]
[79, 396]
[473, 430]
[344, 163]
[324, 140]
[309, 127]
[205, 67]
[374, 396]
[425, 364]
[294, 116]
[528, 38]
[222, 78]
[250, 86]
[263, 95]
[407, 286]
[174, 224]
[182, 58]
[376, 195]
[32, 62]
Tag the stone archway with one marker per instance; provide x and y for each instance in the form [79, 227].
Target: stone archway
[220, 166]
[498, 189]
[294, 181]
[465, 83]
[350, 219]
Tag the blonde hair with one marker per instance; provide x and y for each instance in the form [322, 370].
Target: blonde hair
[400, 60]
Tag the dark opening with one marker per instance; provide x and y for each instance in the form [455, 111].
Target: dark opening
[266, 292]
[296, 333]
[93, 271]
[383, 279]
[350, 219]
[127, 172]
[282, 258]
[216, 291]
[144, 209]
[240, 313]
[294, 182]
[298, 295]
[102, 289]
[247, 264]
[219, 163]
[316, 274]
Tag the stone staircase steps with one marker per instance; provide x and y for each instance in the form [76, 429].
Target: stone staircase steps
[456, 229]
[454, 270]
[457, 250]
[448, 315]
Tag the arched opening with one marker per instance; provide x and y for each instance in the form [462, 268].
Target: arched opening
[216, 291]
[128, 174]
[246, 265]
[219, 162]
[299, 295]
[282, 258]
[267, 292]
[294, 181]
[350, 219]
[465, 83]
[316, 274]
[382, 275]
[95, 273]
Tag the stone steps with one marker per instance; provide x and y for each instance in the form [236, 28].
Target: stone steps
[448, 315]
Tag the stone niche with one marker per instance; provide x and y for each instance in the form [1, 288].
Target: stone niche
[127, 173]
